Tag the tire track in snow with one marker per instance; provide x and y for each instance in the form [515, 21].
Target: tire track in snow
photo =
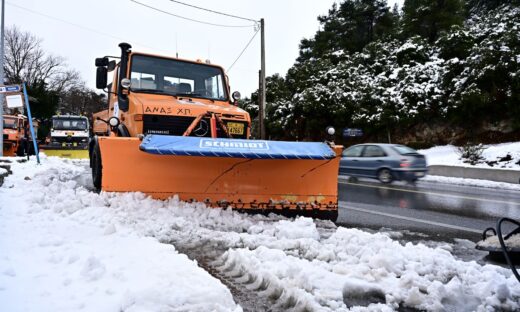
[207, 256]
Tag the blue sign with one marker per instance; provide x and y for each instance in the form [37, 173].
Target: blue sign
[352, 132]
[235, 148]
[14, 88]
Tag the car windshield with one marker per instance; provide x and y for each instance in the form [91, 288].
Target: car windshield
[10, 123]
[403, 150]
[69, 123]
[169, 76]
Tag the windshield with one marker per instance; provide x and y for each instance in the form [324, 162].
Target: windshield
[159, 75]
[69, 124]
[10, 123]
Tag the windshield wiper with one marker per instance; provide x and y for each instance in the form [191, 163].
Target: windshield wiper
[187, 94]
[156, 91]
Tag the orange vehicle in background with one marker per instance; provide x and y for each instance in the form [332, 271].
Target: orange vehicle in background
[171, 128]
[15, 139]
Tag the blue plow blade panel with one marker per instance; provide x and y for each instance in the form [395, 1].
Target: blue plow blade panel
[255, 149]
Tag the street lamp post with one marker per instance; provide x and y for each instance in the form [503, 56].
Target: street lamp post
[2, 81]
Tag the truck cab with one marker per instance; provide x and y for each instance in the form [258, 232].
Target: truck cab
[14, 135]
[161, 95]
[69, 130]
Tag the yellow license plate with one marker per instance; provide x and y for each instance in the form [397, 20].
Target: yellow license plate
[235, 128]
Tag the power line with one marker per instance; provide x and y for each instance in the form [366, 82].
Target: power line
[240, 55]
[191, 19]
[212, 11]
[73, 24]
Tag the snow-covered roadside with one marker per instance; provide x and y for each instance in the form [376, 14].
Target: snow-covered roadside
[447, 155]
[472, 182]
[65, 248]
[61, 249]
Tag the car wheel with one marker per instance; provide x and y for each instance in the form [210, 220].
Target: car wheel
[385, 176]
[95, 160]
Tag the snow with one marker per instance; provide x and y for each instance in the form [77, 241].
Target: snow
[65, 248]
[447, 155]
[3, 171]
[472, 182]
[512, 242]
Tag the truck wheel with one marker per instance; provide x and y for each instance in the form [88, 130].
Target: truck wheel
[20, 151]
[385, 176]
[95, 160]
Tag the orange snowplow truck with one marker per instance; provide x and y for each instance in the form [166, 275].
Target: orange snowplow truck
[173, 129]
[14, 135]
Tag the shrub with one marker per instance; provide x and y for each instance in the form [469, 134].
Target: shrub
[471, 153]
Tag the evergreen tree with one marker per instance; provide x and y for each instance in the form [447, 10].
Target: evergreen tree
[350, 27]
[428, 18]
[480, 6]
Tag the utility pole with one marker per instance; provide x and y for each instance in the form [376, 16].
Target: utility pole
[2, 81]
[261, 108]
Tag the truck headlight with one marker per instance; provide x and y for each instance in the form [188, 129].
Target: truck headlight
[113, 121]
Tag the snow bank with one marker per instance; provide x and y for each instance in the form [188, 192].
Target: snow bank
[67, 248]
[353, 267]
[472, 182]
[447, 155]
[64, 249]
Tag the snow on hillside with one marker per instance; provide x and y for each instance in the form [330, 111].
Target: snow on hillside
[65, 248]
[495, 155]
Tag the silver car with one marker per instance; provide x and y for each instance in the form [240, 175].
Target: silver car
[385, 162]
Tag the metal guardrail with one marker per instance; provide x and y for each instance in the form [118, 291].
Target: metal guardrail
[497, 175]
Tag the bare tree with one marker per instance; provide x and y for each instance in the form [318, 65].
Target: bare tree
[25, 61]
[81, 102]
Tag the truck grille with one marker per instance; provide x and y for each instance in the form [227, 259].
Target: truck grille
[69, 139]
[177, 125]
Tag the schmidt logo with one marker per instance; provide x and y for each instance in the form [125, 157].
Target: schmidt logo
[257, 145]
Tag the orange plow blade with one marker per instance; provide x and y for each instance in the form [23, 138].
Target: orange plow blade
[256, 184]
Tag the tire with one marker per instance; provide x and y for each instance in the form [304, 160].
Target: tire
[91, 144]
[97, 168]
[385, 176]
[21, 150]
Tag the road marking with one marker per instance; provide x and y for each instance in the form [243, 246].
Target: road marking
[454, 227]
[433, 193]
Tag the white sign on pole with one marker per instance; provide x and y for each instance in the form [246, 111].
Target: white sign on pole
[14, 101]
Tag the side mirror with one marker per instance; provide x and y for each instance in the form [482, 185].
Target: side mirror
[101, 77]
[102, 61]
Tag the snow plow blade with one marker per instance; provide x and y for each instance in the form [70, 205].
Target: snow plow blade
[289, 178]
[66, 153]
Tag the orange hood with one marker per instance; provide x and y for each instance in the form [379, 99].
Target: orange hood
[170, 105]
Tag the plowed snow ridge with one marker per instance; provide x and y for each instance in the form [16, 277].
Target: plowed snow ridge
[65, 248]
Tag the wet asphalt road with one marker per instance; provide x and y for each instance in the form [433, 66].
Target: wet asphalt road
[442, 211]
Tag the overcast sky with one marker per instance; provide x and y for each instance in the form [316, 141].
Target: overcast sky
[80, 31]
